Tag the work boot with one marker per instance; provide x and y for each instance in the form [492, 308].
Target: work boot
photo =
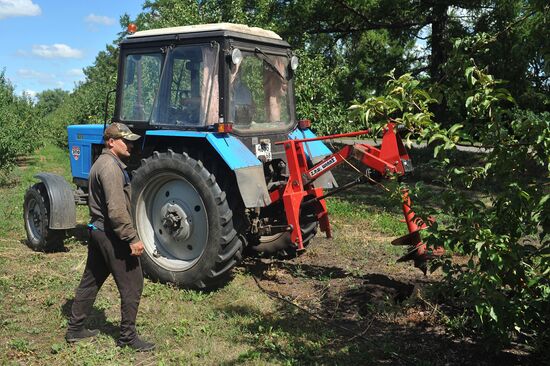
[78, 335]
[138, 345]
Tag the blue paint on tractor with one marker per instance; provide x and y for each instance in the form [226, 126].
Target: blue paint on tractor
[81, 138]
[230, 148]
[313, 149]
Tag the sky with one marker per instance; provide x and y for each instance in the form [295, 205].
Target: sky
[45, 44]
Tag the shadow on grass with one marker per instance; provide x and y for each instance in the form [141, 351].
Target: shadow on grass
[96, 320]
[79, 233]
[375, 283]
[288, 336]
[378, 328]
[56, 247]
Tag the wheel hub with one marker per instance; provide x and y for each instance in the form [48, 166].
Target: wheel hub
[172, 221]
[34, 216]
[176, 221]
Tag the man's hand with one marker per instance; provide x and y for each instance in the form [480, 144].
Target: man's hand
[137, 248]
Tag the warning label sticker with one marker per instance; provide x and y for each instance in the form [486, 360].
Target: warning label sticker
[75, 151]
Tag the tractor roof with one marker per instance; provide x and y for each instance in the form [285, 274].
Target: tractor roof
[207, 28]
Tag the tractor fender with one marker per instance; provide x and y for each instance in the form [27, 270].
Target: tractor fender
[248, 169]
[62, 206]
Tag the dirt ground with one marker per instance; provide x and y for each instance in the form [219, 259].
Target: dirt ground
[373, 303]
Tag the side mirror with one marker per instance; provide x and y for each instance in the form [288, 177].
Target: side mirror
[106, 116]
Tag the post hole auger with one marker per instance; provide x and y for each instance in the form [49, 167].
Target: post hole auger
[390, 159]
[417, 251]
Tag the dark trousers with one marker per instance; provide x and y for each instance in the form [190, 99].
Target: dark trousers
[107, 255]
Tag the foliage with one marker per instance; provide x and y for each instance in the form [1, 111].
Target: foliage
[346, 49]
[317, 98]
[19, 126]
[498, 205]
[49, 100]
[86, 104]
[403, 103]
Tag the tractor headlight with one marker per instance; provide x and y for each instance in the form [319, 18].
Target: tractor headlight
[294, 63]
[236, 56]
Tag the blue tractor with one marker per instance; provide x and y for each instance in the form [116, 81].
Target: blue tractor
[223, 165]
[209, 102]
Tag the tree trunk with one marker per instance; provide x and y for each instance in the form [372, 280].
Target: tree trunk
[439, 56]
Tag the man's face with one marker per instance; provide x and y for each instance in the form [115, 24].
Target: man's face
[120, 147]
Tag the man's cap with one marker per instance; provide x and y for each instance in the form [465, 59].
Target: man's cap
[119, 130]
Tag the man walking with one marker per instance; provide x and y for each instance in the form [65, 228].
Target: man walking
[114, 246]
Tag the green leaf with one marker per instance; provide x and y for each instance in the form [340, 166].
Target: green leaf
[492, 314]
[455, 128]
[533, 282]
[544, 199]
[367, 114]
[437, 149]
[437, 136]
[470, 76]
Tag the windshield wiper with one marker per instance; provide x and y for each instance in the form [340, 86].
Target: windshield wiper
[268, 60]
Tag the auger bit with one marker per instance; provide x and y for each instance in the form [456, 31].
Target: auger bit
[417, 251]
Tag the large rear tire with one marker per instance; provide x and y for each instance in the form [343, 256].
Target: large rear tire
[183, 218]
[36, 214]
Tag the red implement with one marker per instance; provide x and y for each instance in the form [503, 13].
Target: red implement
[390, 159]
[417, 250]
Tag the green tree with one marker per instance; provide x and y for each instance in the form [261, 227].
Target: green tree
[19, 126]
[360, 41]
[86, 104]
[49, 100]
[496, 206]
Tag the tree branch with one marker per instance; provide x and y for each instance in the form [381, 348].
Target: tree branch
[369, 25]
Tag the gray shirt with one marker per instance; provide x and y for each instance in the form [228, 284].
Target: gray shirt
[109, 197]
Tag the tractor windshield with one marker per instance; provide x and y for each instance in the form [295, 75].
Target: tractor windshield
[259, 96]
[179, 87]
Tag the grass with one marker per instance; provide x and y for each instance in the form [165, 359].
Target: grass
[238, 324]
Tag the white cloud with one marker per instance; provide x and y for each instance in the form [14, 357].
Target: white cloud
[57, 50]
[33, 74]
[18, 8]
[98, 19]
[75, 72]
[30, 93]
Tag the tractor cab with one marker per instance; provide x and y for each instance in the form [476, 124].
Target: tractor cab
[194, 77]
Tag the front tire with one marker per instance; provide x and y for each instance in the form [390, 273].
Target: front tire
[183, 218]
[36, 215]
